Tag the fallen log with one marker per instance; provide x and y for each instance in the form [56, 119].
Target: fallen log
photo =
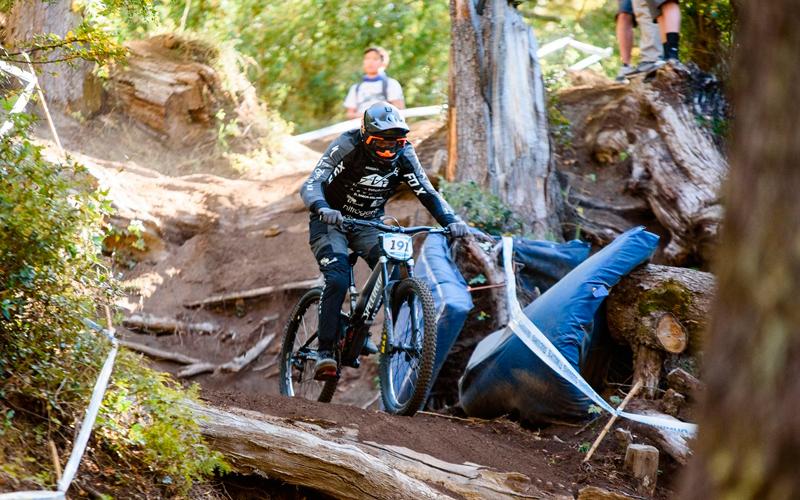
[662, 313]
[685, 383]
[235, 365]
[662, 307]
[239, 362]
[672, 443]
[159, 325]
[256, 292]
[255, 443]
[159, 353]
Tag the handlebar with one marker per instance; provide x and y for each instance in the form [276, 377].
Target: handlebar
[393, 229]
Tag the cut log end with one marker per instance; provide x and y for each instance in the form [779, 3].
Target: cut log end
[671, 334]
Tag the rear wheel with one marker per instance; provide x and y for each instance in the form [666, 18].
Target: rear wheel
[299, 352]
[406, 367]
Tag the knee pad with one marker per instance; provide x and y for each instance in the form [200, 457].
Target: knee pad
[336, 271]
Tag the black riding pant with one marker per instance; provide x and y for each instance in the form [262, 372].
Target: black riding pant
[330, 244]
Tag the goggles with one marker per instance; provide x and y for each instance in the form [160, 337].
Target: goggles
[384, 143]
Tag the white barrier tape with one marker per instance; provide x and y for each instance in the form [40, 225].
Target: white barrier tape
[356, 122]
[541, 346]
[88, 421]
[33, 495]
[596, 53]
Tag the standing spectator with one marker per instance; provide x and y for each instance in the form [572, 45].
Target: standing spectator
[668, 15]
[375, 86]
[628, 17]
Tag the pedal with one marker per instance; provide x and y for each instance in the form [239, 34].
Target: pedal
[369, 348]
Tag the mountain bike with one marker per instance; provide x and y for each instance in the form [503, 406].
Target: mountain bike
[408, 341]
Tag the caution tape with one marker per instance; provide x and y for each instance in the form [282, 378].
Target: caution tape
[540, 345]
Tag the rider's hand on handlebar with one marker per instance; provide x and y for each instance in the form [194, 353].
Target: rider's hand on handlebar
[458, 229]
[330, 216]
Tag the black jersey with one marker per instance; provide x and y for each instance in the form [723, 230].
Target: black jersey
[348, 180]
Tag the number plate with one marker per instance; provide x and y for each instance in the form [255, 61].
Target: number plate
[398, 246]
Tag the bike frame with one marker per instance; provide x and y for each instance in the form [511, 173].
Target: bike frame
[364, 306]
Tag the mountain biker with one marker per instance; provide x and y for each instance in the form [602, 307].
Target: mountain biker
[355, 177]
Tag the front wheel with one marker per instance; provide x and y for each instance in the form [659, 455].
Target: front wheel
[299, 352]
[406, 366]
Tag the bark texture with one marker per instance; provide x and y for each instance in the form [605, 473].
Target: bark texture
[638, 303]
[498, 120]
[344, 467]
[71, 86]
[173, 96]
[644, 158]
[749, 441]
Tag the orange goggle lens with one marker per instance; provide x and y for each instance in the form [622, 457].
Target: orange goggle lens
[382, 143]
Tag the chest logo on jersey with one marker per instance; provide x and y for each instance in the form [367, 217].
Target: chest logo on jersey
[377, 180]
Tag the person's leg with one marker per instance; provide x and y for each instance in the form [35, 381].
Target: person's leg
[624, 21]
[650, 46]
[668, 14]
[329, 246]
[670, 25]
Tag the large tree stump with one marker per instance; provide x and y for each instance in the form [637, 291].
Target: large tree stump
[497, 114]
[639, 156]
[173, 96]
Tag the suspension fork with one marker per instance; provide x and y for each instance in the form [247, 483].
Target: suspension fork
[387, 339]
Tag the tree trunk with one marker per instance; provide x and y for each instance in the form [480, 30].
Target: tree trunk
[749, 430]
[70, 85]
[498, 119]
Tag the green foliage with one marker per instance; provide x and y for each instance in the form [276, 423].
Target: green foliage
[707, 34]
[142, 418]
[481, 209]
[51, 229]
[584, 447]
[595, 410]
[304, 55]
[615, 400]
[95, 39]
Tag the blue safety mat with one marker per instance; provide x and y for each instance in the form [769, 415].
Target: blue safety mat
[504, 377]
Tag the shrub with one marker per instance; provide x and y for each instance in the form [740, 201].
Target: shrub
[51, 278]
[481, 209]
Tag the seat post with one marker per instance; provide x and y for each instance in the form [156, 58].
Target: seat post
[352, 259]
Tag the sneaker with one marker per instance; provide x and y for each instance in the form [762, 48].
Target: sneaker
[369, 348]
[648, 66]
[326, 368]
[624, 71]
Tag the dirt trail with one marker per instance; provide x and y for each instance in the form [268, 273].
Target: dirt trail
[214, 233]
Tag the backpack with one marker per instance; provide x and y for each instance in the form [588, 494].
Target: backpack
[384, 85]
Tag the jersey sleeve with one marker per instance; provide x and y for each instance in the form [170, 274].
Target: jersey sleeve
[394, 92]
[312, 192]
[350, 101]
[416, 178]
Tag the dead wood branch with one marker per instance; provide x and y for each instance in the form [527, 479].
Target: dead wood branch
[154, 352]
[256, 292]
[160, 325]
